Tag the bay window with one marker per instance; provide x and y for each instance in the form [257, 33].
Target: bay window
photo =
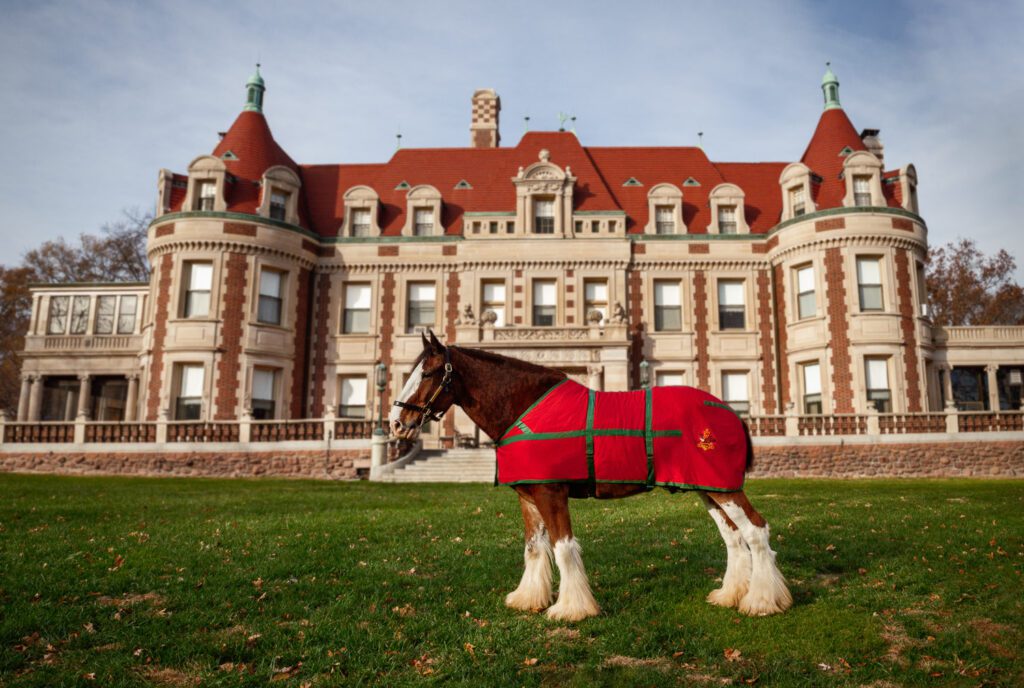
[189, 402]
[198, 281]
[268, 309]
[876, 371]
[263, 384]
[869, 283]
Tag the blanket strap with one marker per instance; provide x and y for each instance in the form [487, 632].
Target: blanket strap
[591, 473]
[649, 434]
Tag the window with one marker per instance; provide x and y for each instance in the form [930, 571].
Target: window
[668, 379]
[57, 323]
[797, 202]
[353, 397]
[126, 318]
[263, 384]
[421, 301]
[510, 227]
[80, 314]
[199, 280]
[105, 307]
[361, 222]
[207, 194]
[269, 308]
[922, 291]
[665, 219]
[727, 219]
[493, 299]
[731, 315]
[544, 300]
[862, 190]
[189, 404]
[356, 318]
[876, 371]
[278, 205]
[668, 309]
[869, 283]
[812, 388]
[805, 301]
[544, 216]
[493, 227]
[423, 224]
[734, 392]
[595, 298]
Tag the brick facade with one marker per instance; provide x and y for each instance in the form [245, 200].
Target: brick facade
[908, 328]
[764, 321]
[160, 315]
[838, 328]
[227, 383]
[781, 337]
[387, 329]
[700, 327]
[321, 334]
[299, 377]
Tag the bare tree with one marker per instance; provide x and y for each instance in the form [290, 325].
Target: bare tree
[966, 287]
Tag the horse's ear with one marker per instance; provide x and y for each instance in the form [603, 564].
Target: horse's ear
[437, 345]
[426, 344]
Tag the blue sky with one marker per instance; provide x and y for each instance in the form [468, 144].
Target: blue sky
[97, 96]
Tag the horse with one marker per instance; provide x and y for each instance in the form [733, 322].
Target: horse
[498, 392]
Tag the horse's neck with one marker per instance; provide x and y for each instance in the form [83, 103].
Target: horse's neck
[492, 398]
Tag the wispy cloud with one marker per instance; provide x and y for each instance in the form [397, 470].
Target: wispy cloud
[100, 95]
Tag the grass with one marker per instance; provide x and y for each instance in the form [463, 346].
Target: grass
[175, 582]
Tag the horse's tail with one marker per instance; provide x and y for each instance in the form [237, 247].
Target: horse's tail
[750, 448]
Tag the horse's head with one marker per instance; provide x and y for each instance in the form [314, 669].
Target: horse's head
[428, 392]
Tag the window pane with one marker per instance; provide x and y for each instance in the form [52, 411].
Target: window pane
[263, 384]
[269, 310]
[191, 381]
[667, 294]
[807, 305]
[357, 296]
[877, 370]
[357, 321]
[861, 184]
[668, 379]
[494, 292]
[668, 318]
[361, 222]
[422, 291]
[270, 283]
[105, 306]
[200, 276]
[869, 271]
[805, 279]
[871, 298]
[126, 319]
[544, 293]
[812, 378]
[58, 321]
[80, 314]
[596, 291]
[730, 293]
[353, 397]
[545, 208]
[734, 386]
[197, 304]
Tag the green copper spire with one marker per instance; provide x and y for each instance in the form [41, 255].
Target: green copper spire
[830, 87]
[255, 88]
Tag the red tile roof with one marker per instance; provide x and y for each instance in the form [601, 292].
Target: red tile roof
[600, 173]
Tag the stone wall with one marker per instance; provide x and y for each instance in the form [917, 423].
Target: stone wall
[319, 464]
[890, 460]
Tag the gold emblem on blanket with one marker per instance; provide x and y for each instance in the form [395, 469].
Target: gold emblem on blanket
[707, 440]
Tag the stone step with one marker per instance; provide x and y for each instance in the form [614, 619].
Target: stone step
[451, 466]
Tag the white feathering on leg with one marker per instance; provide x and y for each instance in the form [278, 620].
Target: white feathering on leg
[575, 600]
[534, 592]
[736, 580]
[768, 593]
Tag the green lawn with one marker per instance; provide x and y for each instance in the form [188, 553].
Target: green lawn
[121, 581]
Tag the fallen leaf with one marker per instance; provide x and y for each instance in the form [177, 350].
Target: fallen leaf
[530, 661]
[732, 654]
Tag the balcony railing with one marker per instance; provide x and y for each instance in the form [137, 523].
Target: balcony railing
[128, 343]
[320, 430]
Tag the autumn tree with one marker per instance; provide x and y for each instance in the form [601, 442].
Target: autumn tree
[116, 254]
[966, 287]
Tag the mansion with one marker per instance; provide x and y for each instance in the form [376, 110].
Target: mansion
[278, 289]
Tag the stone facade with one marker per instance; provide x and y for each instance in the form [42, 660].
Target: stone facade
[277, 288]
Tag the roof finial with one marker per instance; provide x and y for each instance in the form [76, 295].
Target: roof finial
[255, 88]
[830, 87]
[700, 140]
[526, 123]
[398, 141]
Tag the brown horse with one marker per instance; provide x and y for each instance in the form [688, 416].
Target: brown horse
[495, 391]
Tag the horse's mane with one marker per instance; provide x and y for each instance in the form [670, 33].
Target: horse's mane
[513, 363]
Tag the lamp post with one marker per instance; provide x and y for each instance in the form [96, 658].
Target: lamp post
[381, 378]
[645, 374]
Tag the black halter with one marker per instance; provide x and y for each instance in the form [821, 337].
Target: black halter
[426, 411]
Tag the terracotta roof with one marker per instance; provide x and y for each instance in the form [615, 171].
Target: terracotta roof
[833, 133]
[762, 197]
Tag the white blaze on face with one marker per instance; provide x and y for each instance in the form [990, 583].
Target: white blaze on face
[413, 383]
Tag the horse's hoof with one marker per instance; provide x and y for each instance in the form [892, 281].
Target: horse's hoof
[572, 613]
[527, 603]
[764, 607]
[724, 598]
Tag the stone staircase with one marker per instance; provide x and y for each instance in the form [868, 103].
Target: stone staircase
[447, 466]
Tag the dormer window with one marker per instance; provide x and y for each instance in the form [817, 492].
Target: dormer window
[361, 222]
[862, 190]
[665, 222]
[544, 216]
[797, 201]
[278, 205]
[207, 195]
[424, 222]
[727, 219]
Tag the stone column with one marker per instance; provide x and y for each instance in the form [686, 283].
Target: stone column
[23, 398]
[947, 384]
[35, 399]
[595, 374]
[993, 388]
[84, 395]
[132, 402]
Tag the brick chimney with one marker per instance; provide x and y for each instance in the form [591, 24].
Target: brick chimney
[483, 130]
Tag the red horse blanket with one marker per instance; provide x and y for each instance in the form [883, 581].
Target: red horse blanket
[665, 436]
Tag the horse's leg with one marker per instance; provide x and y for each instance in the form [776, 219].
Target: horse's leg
[768, 593]
[736, 580]
[575, 600]
[534, 591]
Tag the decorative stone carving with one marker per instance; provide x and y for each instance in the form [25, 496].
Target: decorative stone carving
[544, 155]
[489, 317]
[544, 334]
[467, 317]
[594, 316]
[618, 316]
